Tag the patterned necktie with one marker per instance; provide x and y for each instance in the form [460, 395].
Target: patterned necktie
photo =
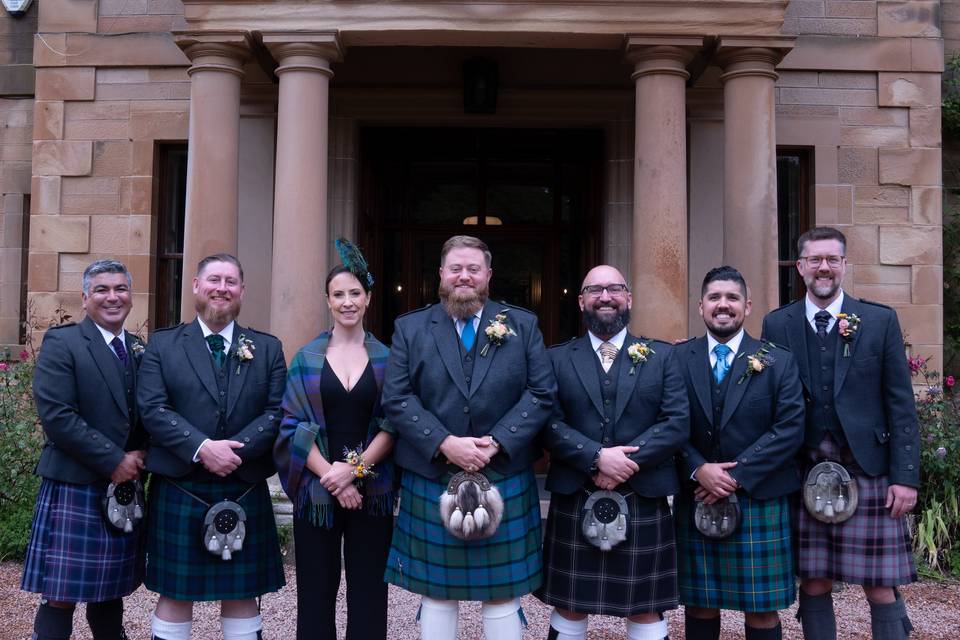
[215, 340]
[120, 350]
[822, 318]
[469, 334]
[721, 367]
[608, 353]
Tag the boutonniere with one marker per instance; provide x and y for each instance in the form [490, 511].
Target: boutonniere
[756, 362]
[847, 325]
[245, 349]
[639, 352]
[137, 348]
[498, 332]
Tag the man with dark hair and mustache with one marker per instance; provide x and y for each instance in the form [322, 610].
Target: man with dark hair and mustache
[861, 416]
[746, 426]
[210, 398]
[620, 417]
[468, 388]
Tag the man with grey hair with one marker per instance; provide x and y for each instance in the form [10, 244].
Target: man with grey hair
[85, 390]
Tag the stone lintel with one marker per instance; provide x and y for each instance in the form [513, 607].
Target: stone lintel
[102, 50]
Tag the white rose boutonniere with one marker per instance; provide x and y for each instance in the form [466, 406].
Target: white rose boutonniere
[245, 349]
[639, 352]
[498, 332]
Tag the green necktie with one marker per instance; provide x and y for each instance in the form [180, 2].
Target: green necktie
[215, 340]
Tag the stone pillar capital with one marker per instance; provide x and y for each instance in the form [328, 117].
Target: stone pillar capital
[661, 55]
[224, 51]
[304, 51]
[740, 57]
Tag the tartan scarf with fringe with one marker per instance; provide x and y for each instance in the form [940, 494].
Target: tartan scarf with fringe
[303, 425]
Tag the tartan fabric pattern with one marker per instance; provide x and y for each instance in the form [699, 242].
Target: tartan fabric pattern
[73, 555]
[426, 559]
[178, 565]
[751, 570]
[639, 575]
[871, 548]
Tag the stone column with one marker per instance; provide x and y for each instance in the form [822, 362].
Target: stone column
[658, 270]
[750, 168]
[301, 242]
[210, 225]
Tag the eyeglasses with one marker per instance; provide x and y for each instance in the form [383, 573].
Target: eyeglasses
[598, 289]
[816, 261]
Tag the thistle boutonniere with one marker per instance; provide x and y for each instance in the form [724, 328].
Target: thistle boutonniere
[137, 348]
[245, 349]
[756, 362]
[639, 352]
[498, 332]
[847, 325]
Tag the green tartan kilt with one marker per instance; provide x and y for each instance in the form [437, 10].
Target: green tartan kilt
[751, 571]
[426, 559]
[178, 565]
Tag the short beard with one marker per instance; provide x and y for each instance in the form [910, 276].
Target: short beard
[724, 332]
[831, 293]
[212, 316]
[606, 328]
[460, 307]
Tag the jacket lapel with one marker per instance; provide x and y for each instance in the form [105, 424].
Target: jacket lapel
[582, 357]
[797, 340]
[199, 356]
[628, 381]
[238, 370]
[748, 347]
[850, 305]
[482, 364]
[106, 362]
[445, 335]
[699, 366]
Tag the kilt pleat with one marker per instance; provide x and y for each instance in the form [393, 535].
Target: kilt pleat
[639, 575]
[178, 565]
[424, 558]
[871, 548]
[73, 555]
[751, 570]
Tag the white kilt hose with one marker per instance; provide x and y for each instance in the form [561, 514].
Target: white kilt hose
[637, 576]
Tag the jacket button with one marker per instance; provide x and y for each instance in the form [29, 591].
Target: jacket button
[642, 442]
[513, 429]
[910, 467]
[772, 436]
[523, 414]
[216, 414]
[94, 436]
[606, 419]
[656, 429]
[106, 446]
[906, 429]
[466, 409]
[260, 429]
[403, 404]
[534, 400]
[426, 432]
[162, 410]
[415, 418]
[743, 460]
[246, 439]
[709, 433]
[174, 422]
[908, 448]
[271, 417]
[756, 448]
[553, 426]
[223, 393]
[566, 436]
[186, 433]
[685, 454]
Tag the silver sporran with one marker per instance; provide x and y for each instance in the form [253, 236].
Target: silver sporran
[604, 522]
[718, 520]
[224, 528]
[471, 508]
[830, 493]
[123, 505]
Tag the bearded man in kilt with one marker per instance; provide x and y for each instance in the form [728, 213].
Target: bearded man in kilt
[210, 397]
[861, 415]
[746, 426]
[468, 387]
[620, 418]
[85, 389]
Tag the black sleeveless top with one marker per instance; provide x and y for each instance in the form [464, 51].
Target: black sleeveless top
[347, 414]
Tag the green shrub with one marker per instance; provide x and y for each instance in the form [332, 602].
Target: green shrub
[937, 535]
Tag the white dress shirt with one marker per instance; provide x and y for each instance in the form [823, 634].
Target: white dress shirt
[108, 337]
[833, 309]
[733, 343]
[616, 341]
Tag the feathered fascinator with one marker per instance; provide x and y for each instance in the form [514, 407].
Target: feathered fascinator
[354, 261]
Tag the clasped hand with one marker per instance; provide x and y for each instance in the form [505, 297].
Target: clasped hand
[614, 467]
[467, 452]
[715, 482]
[129, 468]
[338, 477]
[218, 457]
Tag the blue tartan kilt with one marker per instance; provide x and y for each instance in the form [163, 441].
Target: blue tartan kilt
[751, 570]
[178, 564]
[73, 555]
[424, 558]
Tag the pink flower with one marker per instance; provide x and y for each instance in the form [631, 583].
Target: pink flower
[916, 363]
[4, 366]
[844, 325]
[949, 381]
[24, 355]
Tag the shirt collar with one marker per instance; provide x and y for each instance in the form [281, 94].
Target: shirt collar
[616, 340]
[459, 323]
[226, 333]
[833, 308]
[108, 336]
[733, 343]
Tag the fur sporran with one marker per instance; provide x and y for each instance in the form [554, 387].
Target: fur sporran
[604, 521]
[471, 508]
[123, 505]
[718, 520]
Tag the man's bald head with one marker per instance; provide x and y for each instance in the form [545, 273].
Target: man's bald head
[605, 301]
[603, 274]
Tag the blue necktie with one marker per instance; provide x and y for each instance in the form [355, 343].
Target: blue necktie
[469, 334]
[720, 369]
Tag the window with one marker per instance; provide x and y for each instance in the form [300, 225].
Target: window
[794, 216]
[171, 207]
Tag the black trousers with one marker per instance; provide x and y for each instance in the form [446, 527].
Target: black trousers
[365, 541]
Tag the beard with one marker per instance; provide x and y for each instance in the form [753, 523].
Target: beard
[825, 290]
[462, 304]
[606, 328]
[217, 316]
[725, 332]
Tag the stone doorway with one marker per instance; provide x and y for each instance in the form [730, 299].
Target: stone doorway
[532, 194]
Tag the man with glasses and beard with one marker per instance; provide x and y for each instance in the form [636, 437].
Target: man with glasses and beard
[468, 387]
[620, 417]
[862, 421]
[746, 426]
[210, 397]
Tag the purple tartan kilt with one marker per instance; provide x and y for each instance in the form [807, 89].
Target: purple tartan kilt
[73, 556]
[871, 548]
[639, 575]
